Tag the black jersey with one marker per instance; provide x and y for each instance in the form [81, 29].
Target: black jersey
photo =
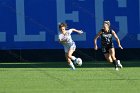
[106, 37]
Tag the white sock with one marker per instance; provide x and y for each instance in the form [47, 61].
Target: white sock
[71, 65]
[118, 61]
[73, 58]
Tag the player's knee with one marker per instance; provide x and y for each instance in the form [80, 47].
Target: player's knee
[69, 56]
[109, 59]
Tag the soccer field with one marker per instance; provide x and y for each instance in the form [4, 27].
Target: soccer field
[35, 78]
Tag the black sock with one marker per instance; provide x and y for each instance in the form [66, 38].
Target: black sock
[115, 63]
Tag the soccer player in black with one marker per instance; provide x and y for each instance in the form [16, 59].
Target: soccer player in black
[107, 45]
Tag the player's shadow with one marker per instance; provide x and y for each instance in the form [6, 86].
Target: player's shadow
[65, 65]
[33, 65]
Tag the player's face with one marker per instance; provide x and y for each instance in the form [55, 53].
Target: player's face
[106, 27]
[63, 29]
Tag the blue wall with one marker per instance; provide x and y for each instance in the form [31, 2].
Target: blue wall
[32, 24]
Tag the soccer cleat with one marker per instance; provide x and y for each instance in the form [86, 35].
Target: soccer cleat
[72, 68]
[119, 64]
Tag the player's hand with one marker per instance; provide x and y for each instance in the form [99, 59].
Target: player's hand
[80, 32]
[120, 47]
[62, 42]
[96, 47]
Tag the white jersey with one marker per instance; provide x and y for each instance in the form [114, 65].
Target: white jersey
[69, 43]
[67, 37]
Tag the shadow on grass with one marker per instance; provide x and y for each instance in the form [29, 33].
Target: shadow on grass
[64, 64]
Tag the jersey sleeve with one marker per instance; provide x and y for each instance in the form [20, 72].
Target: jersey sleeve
[70, 31]
[112, 31]
[60, 37]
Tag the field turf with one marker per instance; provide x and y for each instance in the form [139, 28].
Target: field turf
[57, 78]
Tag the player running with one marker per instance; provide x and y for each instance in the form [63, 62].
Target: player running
[69, 45]
[107, 45]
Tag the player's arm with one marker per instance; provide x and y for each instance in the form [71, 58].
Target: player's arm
[78, 31]
[117, 39]
[95, 40]
[59, 40]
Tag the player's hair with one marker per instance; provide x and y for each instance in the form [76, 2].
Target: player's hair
[107, 22]
[62, 25]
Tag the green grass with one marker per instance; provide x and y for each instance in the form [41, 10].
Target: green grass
[62, 80]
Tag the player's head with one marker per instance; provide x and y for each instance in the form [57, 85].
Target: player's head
[62, 26]
[106, 24]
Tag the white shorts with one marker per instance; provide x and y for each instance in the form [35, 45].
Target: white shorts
[67, 48]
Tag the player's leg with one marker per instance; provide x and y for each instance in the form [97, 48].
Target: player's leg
[70, 57]
[115, 61]
[69, 61]
[71, 51]
[108, 57]
[112, 53]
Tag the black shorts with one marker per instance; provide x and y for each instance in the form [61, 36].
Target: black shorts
[105, 49]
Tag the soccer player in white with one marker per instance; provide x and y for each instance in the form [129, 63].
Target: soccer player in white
[69, 45]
